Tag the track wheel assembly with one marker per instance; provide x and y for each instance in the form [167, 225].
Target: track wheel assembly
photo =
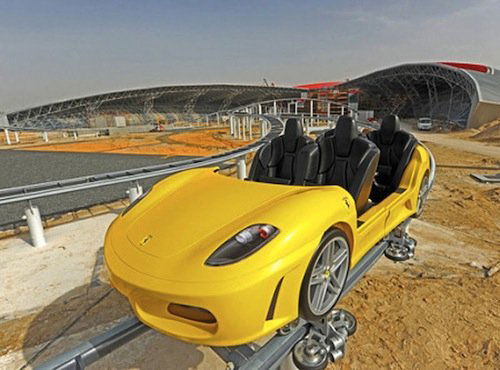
[326, 341]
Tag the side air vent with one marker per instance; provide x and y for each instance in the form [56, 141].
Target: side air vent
[272, 307]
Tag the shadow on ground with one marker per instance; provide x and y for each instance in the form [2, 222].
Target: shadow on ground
[89, 310]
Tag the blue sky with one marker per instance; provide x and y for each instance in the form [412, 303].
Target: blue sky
[51, 50]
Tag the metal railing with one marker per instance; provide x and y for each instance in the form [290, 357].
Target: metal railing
[241, 121]
[272, 127]
[41, 190]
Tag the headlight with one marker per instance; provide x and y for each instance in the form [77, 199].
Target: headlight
[243, 244]
[134, 203]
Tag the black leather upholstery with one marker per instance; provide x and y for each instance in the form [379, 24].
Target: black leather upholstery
[288, 159]
[349, 160]
[396, 148]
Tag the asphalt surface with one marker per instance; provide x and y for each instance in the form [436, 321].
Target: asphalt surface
[23, 167]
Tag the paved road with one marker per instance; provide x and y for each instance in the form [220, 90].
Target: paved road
[22, 167]
[470, 146]
[476, 147]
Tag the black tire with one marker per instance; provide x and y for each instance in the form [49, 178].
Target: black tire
[304, 306]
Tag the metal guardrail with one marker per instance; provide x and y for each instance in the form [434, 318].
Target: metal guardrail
[46, 189]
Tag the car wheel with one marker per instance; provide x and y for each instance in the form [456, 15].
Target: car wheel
[422, 196]
[325, 276]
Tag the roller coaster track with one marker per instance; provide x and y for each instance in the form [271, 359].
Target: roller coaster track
[52, 188]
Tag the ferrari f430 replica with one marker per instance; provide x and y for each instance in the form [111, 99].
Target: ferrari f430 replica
[215, 260]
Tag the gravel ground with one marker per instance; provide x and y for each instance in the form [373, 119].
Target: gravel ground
[22, 167]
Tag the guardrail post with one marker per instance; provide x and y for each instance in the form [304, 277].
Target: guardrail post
[35, 226]
[241, 168]
[7, 137]
[45, 136]
[134, 192]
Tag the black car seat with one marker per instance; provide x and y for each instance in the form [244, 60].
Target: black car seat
[349, 160]
[291, 158]
[396, 148]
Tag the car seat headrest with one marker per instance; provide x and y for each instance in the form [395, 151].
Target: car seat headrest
[293, 130]
[346, 131]
[390, 125]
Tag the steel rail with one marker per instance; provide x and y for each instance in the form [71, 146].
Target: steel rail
[244, 357]
[41, 190]
[52, 188]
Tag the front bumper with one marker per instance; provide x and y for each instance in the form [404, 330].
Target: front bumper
[240, 306]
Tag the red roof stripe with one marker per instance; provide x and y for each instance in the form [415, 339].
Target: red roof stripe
[469, 66]
[319, 85]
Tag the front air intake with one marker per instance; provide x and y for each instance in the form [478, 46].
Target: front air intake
[192, 313]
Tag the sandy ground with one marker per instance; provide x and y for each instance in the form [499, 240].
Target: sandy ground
[193, 143]
[438, 311]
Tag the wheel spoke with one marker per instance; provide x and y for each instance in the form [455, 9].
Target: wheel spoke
[338, 259]
[330, 250]
[317, 278]
[334, 280]
[319, 295]
[333, 285]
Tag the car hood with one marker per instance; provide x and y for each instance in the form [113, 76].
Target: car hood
[186, 218]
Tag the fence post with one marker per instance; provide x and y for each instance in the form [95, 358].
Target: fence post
[250, 124]
[134, 192]
[241, 168]
[7, 137]
[35, 226]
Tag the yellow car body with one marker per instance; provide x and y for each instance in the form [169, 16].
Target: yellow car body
[156, 251]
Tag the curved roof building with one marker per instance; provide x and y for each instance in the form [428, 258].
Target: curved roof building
[467, 94]
[183, 99]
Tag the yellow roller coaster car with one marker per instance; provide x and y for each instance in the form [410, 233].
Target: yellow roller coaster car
[211, 259]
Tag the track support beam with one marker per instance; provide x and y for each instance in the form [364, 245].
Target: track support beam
[241, 167]
[134, 192]
[35, 226]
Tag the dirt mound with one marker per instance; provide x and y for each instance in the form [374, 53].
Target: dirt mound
[489, 132]
[486, 133]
